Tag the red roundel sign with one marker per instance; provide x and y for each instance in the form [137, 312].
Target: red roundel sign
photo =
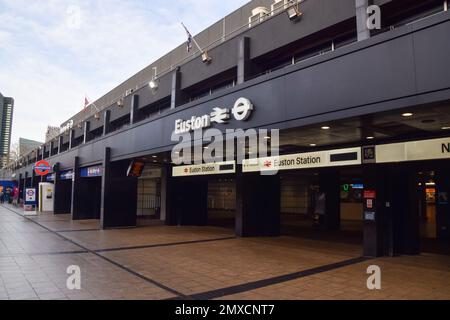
[42, 168]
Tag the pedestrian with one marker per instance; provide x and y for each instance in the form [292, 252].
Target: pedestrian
[2, 196]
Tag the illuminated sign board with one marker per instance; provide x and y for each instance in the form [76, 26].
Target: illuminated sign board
[89, 172]
[413, 151]
[320, 159]
[204, 169]
[241, 111]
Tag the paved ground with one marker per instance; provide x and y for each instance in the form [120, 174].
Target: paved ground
[160, 262]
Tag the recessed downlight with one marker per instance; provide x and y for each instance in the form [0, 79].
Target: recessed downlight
[312, 145]
[407, 114]
[446, 128]
[326, 128]
[370, 138]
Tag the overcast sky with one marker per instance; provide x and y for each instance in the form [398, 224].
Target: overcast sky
[53, 52]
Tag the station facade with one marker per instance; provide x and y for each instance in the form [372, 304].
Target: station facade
[364, 134]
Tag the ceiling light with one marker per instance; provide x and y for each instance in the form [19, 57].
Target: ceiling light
[313, 145]
[407, 114]
[267, 138]
[370, 138]
[446, 128]
[154, 156]
[326, 128]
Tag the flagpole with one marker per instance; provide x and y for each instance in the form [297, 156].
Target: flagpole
[193, 38]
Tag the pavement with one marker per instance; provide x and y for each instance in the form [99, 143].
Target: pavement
[163, 262]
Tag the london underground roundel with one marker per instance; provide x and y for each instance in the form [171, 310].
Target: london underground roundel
[42, 168]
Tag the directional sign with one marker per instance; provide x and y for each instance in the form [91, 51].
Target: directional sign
[42, 168]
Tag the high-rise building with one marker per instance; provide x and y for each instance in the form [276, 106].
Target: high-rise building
[51, 133]
[6, 117]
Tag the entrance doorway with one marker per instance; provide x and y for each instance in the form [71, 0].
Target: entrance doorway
[149, 197]
[337, 193]
[434, 210]
[222, 202]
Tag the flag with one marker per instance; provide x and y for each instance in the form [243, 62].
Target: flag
[189, 39]
[86, 103]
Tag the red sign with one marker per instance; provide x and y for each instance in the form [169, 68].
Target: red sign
[42, 168]
[370, 194]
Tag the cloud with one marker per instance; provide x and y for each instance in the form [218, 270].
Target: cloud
[53, 52]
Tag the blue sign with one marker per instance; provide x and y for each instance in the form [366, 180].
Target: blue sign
[89, 172]
[67, 175]
[51, 177]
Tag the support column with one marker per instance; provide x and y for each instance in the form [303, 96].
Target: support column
[135, 114]
[361, 19]
[75, 207]
[442, 203]
[186, 201]
[106, 122]
[330, 184]
[71, 138]
[87, 128]
[257, 205]
[177, 96]
[244, 65]
[119, 194]
[60, 144]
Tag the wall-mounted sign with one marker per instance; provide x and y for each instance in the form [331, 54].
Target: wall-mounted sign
[135, 169]
[330, 158]
[51, 177]
[370, 194]
[66, 175]
[413, 150]
[95, 171]
[42, 168]
[241, 111]
[204, 169]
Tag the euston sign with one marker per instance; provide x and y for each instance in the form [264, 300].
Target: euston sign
[42, 168]
[241, 111]
[329, 158]
[204, 169]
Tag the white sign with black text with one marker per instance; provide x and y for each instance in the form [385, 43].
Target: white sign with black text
[204, 169]
[329, 158]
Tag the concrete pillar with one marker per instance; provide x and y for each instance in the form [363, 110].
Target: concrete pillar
[71, 138]
[119, 194]
[177, 96]
[257, 205]
[135, 114]
[60, 144]
[330, 184]
[87, 129]
[244, 64]
[361, 19]
[107, 122]
[442, 202]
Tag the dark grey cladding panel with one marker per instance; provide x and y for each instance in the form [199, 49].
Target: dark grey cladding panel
[223, 57]
[96, 123]
[118, 112]
[432, 52]
[78, 132]
[66, 137]
[280, 31]
[147, 96]
[378, 73]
